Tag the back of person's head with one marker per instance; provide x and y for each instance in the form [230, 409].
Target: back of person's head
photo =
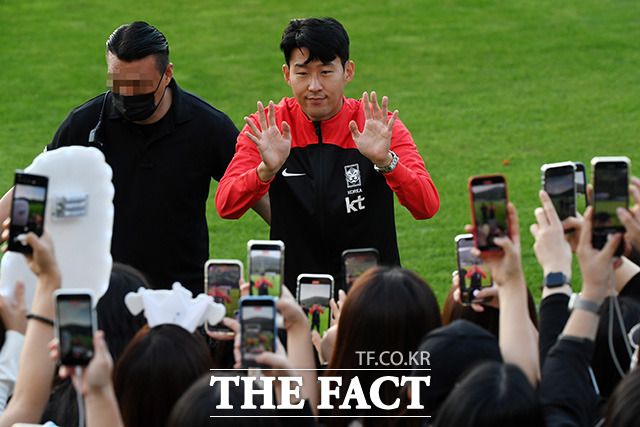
[139, 40]
[492, 395]
[488, 319]
[114, 318]
[155, 369]
[388, 309]
[325, 38]
[611, 334]
[453, 350]
[623, 408]
[199, 403]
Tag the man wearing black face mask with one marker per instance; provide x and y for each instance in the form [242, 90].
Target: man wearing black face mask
[164, 145]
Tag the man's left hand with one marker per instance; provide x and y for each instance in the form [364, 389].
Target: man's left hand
[374, 141]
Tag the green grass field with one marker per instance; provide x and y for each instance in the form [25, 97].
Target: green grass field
[485, 86]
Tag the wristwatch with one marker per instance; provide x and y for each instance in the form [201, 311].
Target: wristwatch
[392, 165]
[578, 303]
[556, 279]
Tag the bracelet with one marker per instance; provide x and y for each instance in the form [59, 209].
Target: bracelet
[578, 303]
[40, 318]
[391, 167]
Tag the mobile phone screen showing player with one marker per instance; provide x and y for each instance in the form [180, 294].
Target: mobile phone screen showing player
[75, 325]
[558, 180]
[266, 266]
[314, 293]
[257, 328]
[610, 191]
[489, 210]
[222, 282]
[27, 209]
[471, 271]
[357, 261]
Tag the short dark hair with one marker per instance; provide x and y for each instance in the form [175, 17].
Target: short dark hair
[325, 38]
[139, 40]
[157, 366]
[492, 394]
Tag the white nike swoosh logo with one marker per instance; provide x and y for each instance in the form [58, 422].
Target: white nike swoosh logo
[287, 174]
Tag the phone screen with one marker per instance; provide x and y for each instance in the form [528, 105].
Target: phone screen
[266, 268]
[610, 191]
[356, 262]
[489, 208]
[27, 209]
[314, 293]
[223, 284]
[559, 183]
[471, 271]
[75, 328]
[258, 328]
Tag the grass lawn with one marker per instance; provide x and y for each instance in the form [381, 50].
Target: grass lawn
[485, 87]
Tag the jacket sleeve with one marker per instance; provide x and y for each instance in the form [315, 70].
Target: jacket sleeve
[240, 188]
[567, 393]
[553, 316]
[410, 180]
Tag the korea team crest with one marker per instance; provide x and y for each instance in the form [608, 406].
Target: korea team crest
[352, 178]
[352, 175]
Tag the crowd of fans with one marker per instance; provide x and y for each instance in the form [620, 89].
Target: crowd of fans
[501, 363]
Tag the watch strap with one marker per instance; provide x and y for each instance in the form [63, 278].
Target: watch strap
[578, 303]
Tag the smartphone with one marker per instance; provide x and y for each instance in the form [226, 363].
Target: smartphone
[314, 292]
[357, 261]
[266, 266]
[582, 201]
[74, 325]
[489, 210]
[559, 181]
[222, 281]
[258, 329]
[471, 271]
[610, 191]
[27, 209]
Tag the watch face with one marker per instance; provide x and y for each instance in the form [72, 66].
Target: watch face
[555, 279]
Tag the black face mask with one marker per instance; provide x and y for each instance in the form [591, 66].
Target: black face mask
[137, 108]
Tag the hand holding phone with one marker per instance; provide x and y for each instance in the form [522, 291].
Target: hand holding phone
[610, 192]
[258, 329]
[75, 324]
[27, 209]
[506, 266]
[489, 200]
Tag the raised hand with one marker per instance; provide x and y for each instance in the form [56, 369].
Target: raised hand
[552, 249]
[375, 139]
[273, 146]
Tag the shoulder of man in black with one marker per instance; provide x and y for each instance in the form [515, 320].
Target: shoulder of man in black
[80, 121]
[210, 123]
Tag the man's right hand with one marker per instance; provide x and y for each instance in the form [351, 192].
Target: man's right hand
[274, 147]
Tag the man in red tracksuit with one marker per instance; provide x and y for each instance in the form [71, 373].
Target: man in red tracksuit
[330, 164]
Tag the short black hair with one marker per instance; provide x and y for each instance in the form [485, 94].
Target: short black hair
[325, 38]
[139, 40]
